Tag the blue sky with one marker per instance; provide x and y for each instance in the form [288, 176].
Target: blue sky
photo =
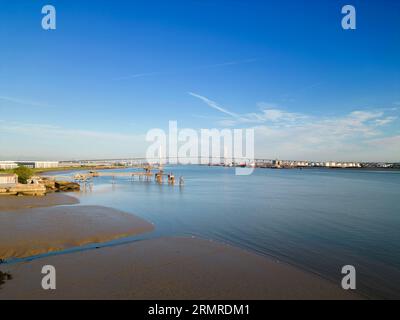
[112, 70]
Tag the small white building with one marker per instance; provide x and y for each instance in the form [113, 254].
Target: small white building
[8, 179]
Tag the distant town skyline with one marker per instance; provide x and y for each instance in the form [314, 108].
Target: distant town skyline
[111, 71]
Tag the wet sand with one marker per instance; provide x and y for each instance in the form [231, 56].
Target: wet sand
[29, 232]
[167, 268]
[8, 203]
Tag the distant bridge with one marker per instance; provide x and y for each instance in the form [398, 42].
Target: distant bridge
[166, 160]
[236, 161]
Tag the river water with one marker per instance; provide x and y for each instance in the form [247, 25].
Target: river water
[317, 219]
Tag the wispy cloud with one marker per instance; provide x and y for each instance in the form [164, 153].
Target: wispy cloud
[393, 141]
[213, 104]
[291, 135]
[385, 121]
[200, 67]
[269, 112]
[45, 130]
[22, 102]
[21, 140]
[137, 75]
[347, 137]
[224, 64]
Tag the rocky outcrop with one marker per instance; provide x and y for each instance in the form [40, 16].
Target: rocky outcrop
[40, 188]
[67, 186]
[50, 184]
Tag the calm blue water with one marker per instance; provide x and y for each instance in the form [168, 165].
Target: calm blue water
[320, 220]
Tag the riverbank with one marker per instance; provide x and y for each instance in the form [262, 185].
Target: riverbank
[167, 268]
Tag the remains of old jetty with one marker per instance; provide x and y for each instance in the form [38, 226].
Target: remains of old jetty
[146, 175]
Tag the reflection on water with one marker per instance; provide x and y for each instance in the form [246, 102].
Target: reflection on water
[318, 219]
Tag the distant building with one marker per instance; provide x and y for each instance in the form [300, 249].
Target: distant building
[277, 163]
[38, 164]
[8, 179]
[7, 165]
[70, 164]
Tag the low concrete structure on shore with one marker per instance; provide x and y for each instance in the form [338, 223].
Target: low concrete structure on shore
[23, 189]
[9, 186]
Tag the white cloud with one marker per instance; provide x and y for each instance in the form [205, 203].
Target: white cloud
[269, 112]
[361, 135]
[385, 121]
[344, 138]
[289, 135]
[393, 141]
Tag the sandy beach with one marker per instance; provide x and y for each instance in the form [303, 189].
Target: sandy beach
[27, 232]
[167, 268]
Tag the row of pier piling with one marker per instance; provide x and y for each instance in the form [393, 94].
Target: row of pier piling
[147, 175]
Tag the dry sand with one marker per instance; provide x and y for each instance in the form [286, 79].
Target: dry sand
[168, 268]
[8, 203]
[35, 231]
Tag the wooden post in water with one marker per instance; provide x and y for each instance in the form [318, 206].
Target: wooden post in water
[159, 177]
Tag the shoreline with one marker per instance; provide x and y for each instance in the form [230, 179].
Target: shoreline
[168, 268]
[71, 236]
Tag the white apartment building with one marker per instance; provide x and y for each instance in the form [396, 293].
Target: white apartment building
[38, 164]
[7, 165]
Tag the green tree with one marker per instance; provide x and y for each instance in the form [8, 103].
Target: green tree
[24, 173]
